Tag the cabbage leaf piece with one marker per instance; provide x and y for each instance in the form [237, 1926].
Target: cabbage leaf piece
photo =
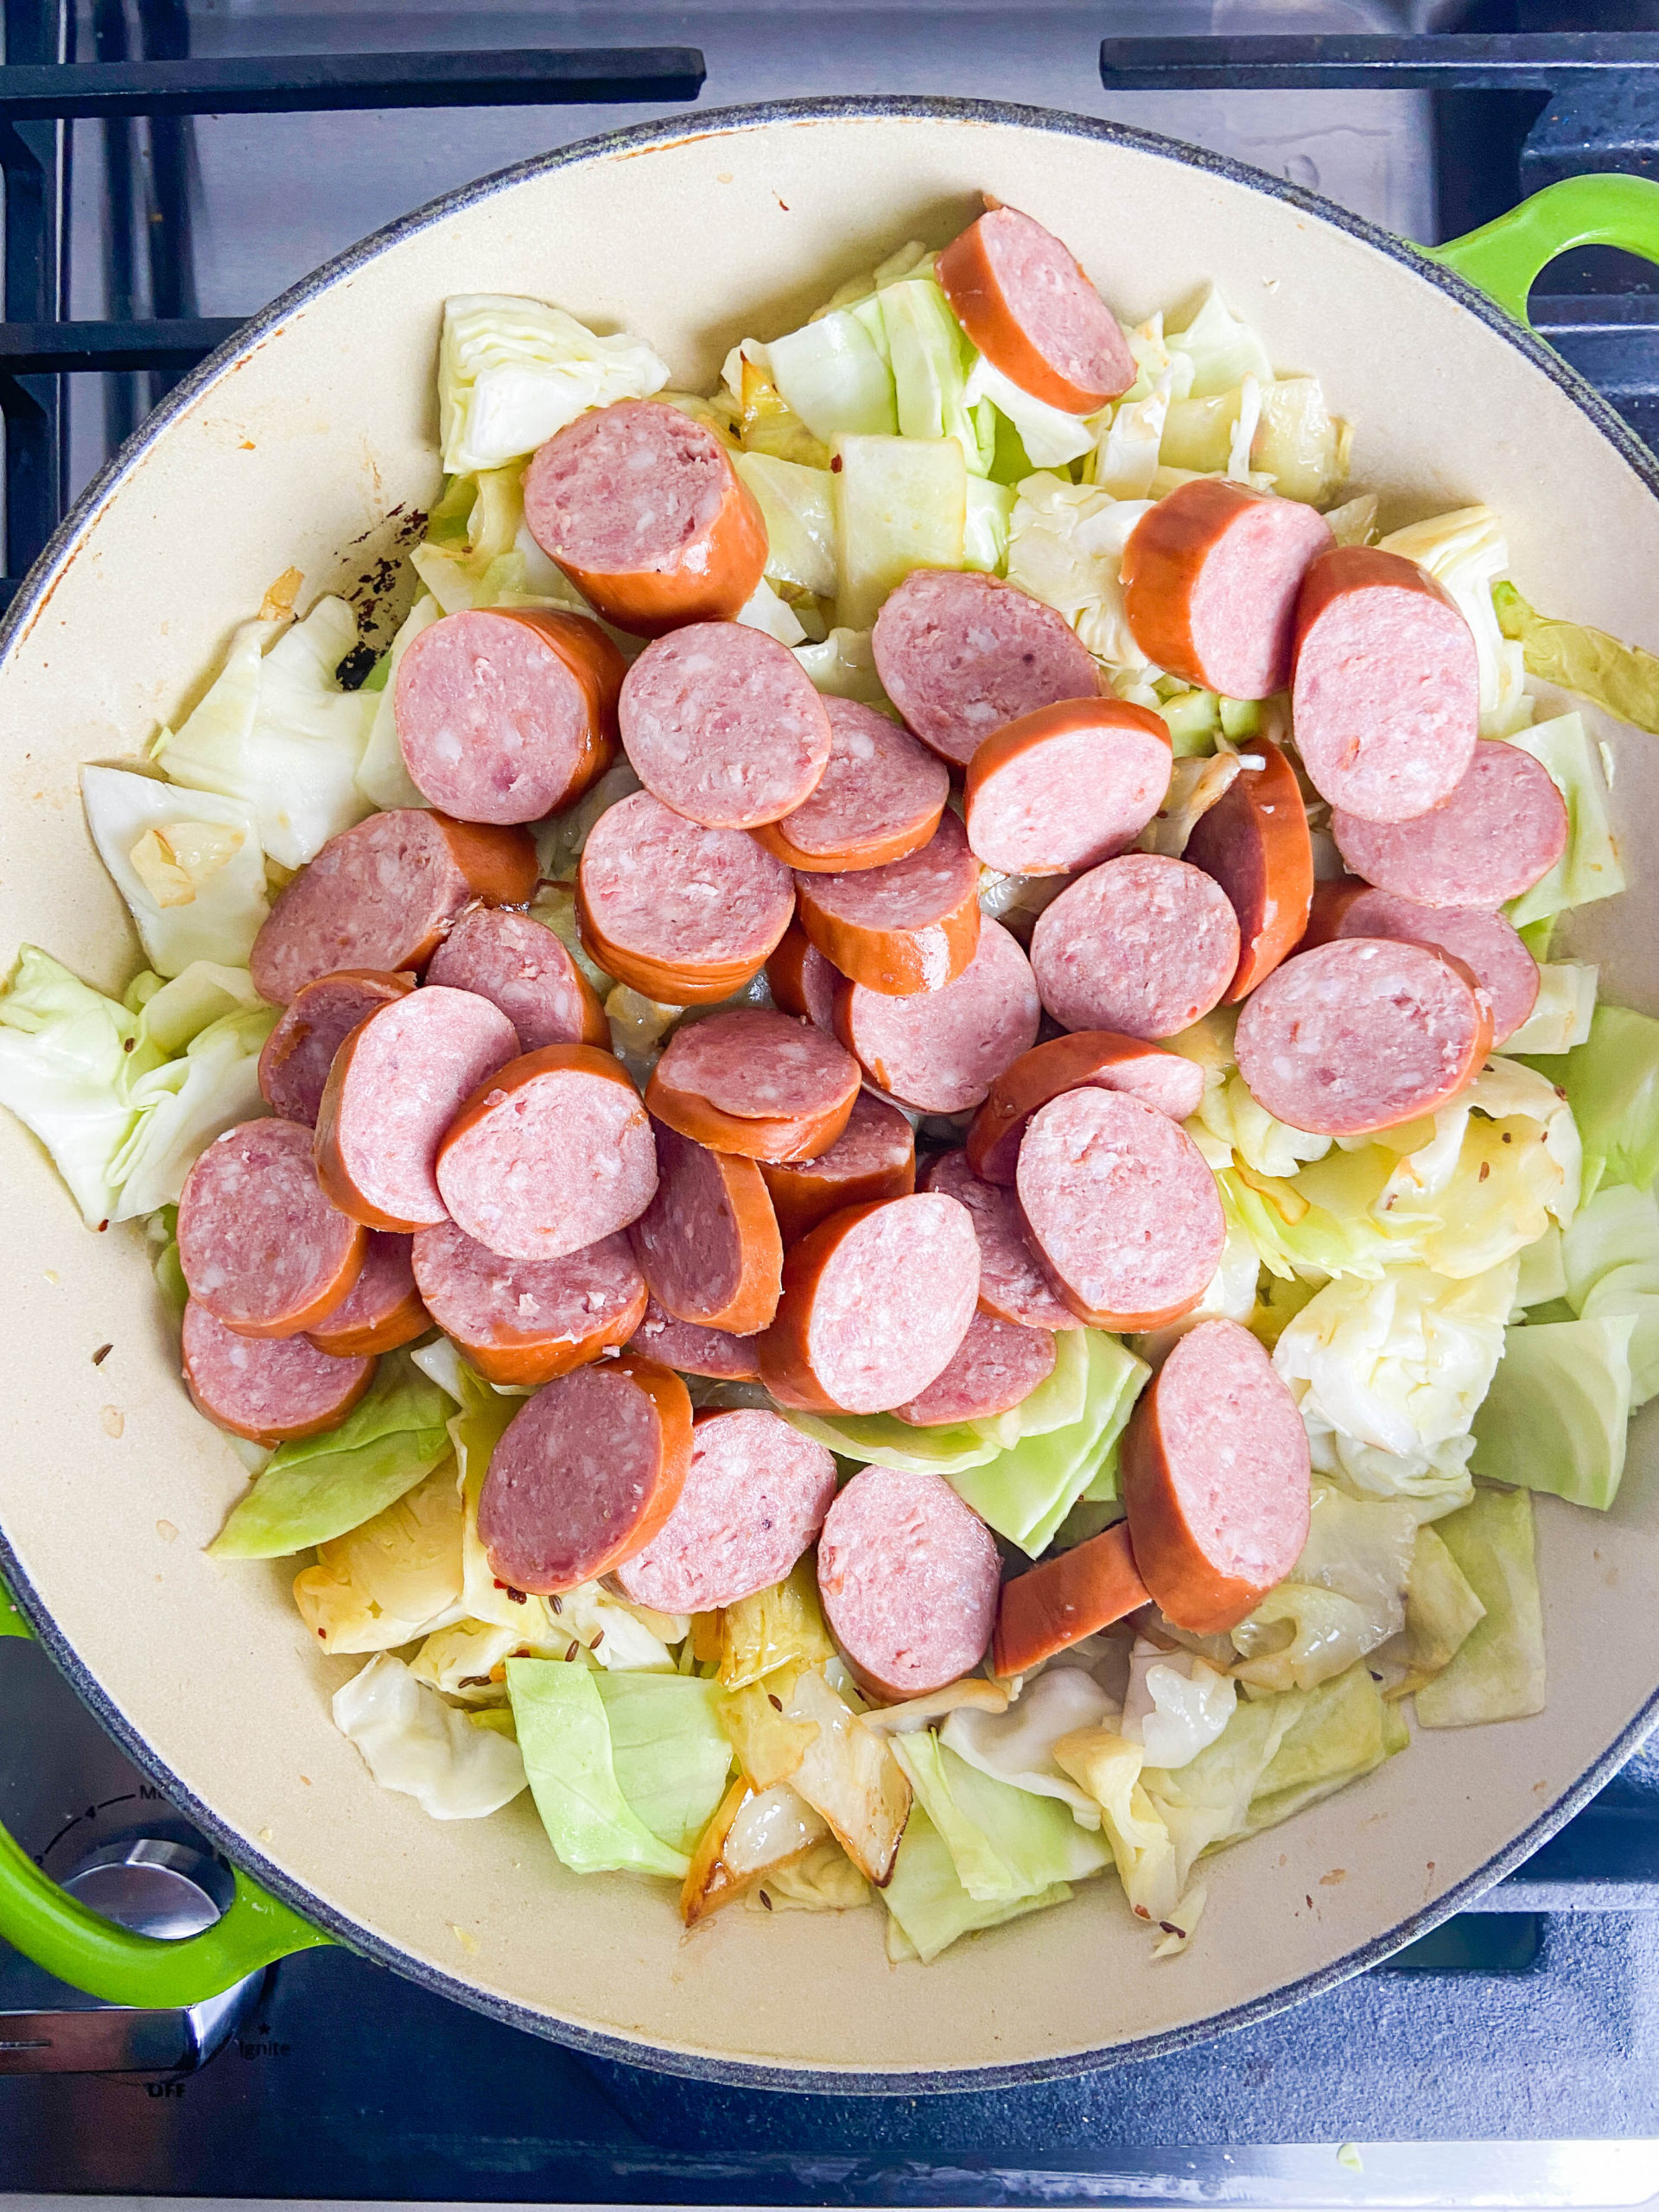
[1006, 1843]
[1562, 1013]
[1625, 679]
[277, 734]
[1066, 547]
[1345, 1598]
[1343, 1730]
[1017, 1745]
[189, 866]
[416, 1744]
[1108, 1767]
[1611, 1084]
[123, 1097]
[1388, 1375]
[799, 509]
[320, 1487]
[626, 1787]
[1497, 1671]
[511, 371]
[1442, 1609]
[900, 503]
[928, 1908]
[1610, 1265]
[1590, 868]
[396, 1577]
[1176, 1704]
[1558, 1413]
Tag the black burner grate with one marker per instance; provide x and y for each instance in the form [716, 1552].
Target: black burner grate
[43, 87]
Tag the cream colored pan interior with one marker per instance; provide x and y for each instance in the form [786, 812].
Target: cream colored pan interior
[308, 450]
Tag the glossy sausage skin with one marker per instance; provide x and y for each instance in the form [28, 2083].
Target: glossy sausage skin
[527, 1321]
[1066, 787]
[912, 925]
[1050, 1607]
[708, 1245]
[269, 1390]
[381, 1311]
[873, 1158]
[1034, 315]
[754, 1083]
[1254, 841]
[1210, 576]
[1103, 1059]
[1215, 1472]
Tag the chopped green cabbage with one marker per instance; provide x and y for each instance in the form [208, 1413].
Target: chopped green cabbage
[1611, 1083]
[1590, 868]
[1017, 1746]
[1268, 1146]
[1542, 1275]
[835, 374]
[1562, 1012]
[799, 509]
[511, 371]
[276, 733]
[1027, 1490]
[930, 359]
[1622, 678]
[125, 1101]
[603, 1784]
[1108, 1767]
[843, 667]
[1388, 1376]
[414, 1743]
[1610, 1265]
[396, 1577]
[320, 1487]
[927, 1906]
[190, 867]
[985, 532]
[1223, 349]
[1299, 443]
[1049, 437]
[764, 610]
[1345, 1598]
[899, 503]
[1497, 1671]
[1442, 1609]
[1343, 1730]
[1125, 459]
[1065, 546]
[1467, 551]
[1006, 1843]
[1559, 1409]
[1176, 1702]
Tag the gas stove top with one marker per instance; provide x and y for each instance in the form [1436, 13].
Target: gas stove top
[1513, 2055]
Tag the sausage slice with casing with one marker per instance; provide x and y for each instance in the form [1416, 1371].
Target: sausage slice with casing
[1027, 305]
[908, 1575]
[1254, 841]
[910, 926]
[523, 1321]
[874, 1157]
[1102, 1059]
[260, 1245]
[1055, 1604]
[269, 1390]
[1066, 787]
[586, 1475]
[708, 1244]
[754, 1083]
[1215, 1473]
[316, 1021]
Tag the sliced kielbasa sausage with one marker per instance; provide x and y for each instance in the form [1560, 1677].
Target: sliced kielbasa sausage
[550, 1152]
[1386, 694]
[880, 798]
[1103, 1058]
[316, 1021]
[642, 509]
[1143, 944]
[1254, 841]
[801, 981]
[996, 1366]
[520, 965]
[1027, 305]
[1215, 1472]
[1066, 787]
[1362, 1035]
[941, 1051]
[1119, 1208]
[708, 1244]
[874, 1157]
[1499, 832]
[1210, 576]
[755, 1083]
[686, 915]
[586, 1475]
[1011, 1285]
[381, 1310]
[876, 1300]
[1052, 1606]
[908, 1575]
[267, 1389]
[754, 1498]
[960, 654]
[396, 1083]
[507, 713]
[260, 1246]
[693, 1350]
[528, 1320]
[721, 723]
[909, 926]
[1489, 946]
[383, 895]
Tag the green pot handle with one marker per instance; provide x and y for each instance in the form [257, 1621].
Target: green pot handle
[1503, 257]
[91, 1953]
